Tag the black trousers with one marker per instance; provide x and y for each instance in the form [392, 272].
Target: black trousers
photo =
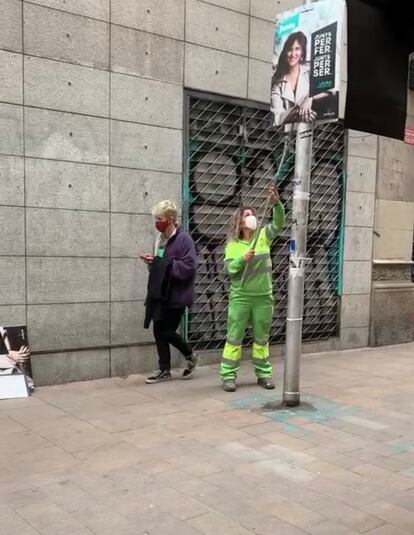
[165, 334]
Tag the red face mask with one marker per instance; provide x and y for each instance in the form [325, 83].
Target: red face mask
[162, 226]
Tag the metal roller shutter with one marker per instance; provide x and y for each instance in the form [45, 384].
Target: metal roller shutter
[232, 155]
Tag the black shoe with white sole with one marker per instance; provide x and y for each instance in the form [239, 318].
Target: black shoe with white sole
[159, 377]
[192, 362]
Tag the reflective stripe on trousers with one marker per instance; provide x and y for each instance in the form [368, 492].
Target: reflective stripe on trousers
[259, 311]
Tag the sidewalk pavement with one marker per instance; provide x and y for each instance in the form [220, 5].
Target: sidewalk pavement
[118, 457]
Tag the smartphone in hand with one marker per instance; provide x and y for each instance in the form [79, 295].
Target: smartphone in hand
[147, 258]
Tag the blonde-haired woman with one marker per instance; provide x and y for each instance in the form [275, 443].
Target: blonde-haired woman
[251, 293]
[174, 257]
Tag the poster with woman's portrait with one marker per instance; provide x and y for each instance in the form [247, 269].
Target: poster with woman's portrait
[307, 63]
[15, 368]
[14, 349]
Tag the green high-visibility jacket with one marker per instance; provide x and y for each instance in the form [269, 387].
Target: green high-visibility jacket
[258, 277]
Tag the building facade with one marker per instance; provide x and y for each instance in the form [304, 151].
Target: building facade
[107, 107]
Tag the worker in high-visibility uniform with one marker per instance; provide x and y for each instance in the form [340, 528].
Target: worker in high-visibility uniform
[251, 298]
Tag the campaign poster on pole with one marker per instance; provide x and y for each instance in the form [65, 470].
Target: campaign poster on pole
[307, 69]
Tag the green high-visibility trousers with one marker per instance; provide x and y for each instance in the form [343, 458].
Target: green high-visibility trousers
[244, 309]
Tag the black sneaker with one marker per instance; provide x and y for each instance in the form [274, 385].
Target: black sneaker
[158, 377]
[266, 383]
[229, 385]
[192, 362]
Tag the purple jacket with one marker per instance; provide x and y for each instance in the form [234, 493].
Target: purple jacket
[180, 248]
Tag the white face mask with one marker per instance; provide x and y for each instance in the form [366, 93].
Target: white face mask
[250, 222]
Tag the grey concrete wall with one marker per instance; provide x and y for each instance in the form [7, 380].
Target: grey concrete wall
[91, 111]
[361, 174]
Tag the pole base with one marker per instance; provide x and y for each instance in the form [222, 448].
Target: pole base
[291, 399]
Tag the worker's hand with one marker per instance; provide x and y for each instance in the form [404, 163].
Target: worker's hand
[249, 255]
[273, 195]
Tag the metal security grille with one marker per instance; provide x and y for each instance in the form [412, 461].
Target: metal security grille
[233, 154]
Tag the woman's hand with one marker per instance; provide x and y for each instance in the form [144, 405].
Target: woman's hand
[147, 258]
[20, 356]
[249, 255]
[306, 114]
[273, 195]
